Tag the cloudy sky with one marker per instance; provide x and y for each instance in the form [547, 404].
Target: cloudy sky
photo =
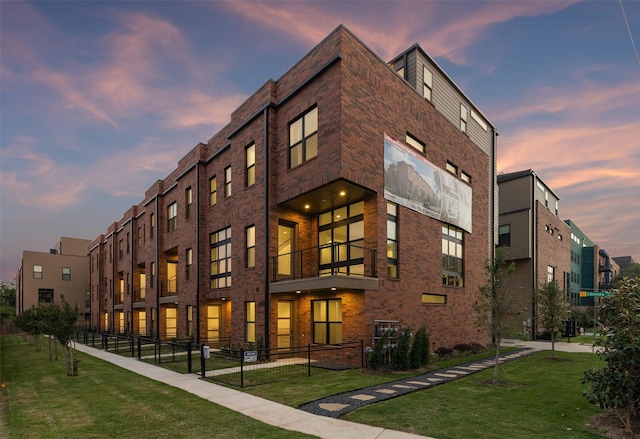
[100, 99]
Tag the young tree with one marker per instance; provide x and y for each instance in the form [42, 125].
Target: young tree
[553, 310]
[61, 329]
[7, 301]
[494, 302]
[30, 321]
[617, 385]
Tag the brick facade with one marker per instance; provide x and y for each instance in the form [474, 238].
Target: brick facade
[358, 99]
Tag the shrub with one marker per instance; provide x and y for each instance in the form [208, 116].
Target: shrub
[376, 358]
[444, 352]
[419, 355]
[400, 358]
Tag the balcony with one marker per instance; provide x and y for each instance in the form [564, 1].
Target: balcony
[140, 294]
[605, 267]
[329, 267]
[168, 289]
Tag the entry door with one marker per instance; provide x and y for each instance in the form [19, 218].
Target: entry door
[214, 320]
[285, 324]
[286, 249]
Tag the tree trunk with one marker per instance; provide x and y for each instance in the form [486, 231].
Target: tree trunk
[553, 344]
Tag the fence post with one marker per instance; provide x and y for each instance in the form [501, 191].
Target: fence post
[139, 349]
[188, 357]
[159, 344]
[309, 359]
[362, 352]
[241, 368]
[133, 346]
[202, 361]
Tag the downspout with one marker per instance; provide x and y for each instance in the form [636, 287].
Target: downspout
[534, 259]
[131, 280]
[112, 319]
[267, 302]
[197, 264]
[157, 275]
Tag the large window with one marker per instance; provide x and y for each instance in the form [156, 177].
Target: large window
[251, 246]
[213, 191]
[412, 141]
[66, 273]
[171, 322]
[227, 181]
[172, 214]
[327, 321]
[37, 271]
[551, 273]
[189, 320]
[221, 258]
[392, 240]
[251, 322]
[504, 237]
[341, 240]
[452, 256]
[251, 164]
[303, 138]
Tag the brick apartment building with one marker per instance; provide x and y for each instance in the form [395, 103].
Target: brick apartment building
[350, 193]
[535, 238]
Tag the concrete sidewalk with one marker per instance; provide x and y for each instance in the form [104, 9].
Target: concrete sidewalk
[545, 345]
[263, 410]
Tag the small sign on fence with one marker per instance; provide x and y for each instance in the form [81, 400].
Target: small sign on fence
[250, 356]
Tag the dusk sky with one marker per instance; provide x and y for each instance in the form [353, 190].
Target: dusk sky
[101, 99]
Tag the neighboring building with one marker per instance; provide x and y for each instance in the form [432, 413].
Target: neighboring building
[46, 277]
[535, 238]
[623, 261]
[338, 198]
[591, 268]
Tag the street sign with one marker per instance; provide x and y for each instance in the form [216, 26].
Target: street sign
[595, 294]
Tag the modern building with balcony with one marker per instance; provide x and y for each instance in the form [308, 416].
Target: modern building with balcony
[44, 277]
[349, 193]
[535, 239]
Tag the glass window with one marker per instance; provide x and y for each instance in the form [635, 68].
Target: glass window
[551, 273]
[213, 191]
[437, 299]
[327, 321]
[251, 322]
[171, 322]
[452, 256]
[120, 249]
[221, 258]
[251, 246]
[303, 138]
[188, 202]
[427, 83]
[463, 118]
[341, 240]
[452, 168]
[465, 177]
[152, 224]
[172, 213]
[504, 237]
[392, 240]
[37, 271]
[227, 181]
[189, 320]
[412, 141]
[189, 263]
[251, 165]
[153, 274]
[45, 295]
[66, 273]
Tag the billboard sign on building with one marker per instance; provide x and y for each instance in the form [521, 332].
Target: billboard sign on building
[414, 182]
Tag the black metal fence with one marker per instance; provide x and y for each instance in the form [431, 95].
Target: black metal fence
[246, 368]
[215, 360]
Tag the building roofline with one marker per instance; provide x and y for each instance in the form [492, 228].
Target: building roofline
[502, 177]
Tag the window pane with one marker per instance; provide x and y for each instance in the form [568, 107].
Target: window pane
[340, 214]
[335, 333]
[295, 156]
[295, 132]
[391, 249]
[319, 310]
[251, 155]
[356, 231]
[356, 209]
[340, 234]
[311, 121]
[311, 147]
[391, 229]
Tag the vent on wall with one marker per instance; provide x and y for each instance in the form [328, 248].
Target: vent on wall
[53, 251]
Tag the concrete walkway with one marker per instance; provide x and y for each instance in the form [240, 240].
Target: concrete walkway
[318, 418]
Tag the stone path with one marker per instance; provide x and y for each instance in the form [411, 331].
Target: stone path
[337, 405]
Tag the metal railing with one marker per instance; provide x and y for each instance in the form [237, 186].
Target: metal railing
[336, 258]
[246, 368]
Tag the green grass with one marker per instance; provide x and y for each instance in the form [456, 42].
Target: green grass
[539, 398]
[105, 401]
[298, 390]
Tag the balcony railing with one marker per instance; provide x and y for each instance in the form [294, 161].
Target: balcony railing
[140, 294]
[118, 298]
[334, 259]
[169, 288]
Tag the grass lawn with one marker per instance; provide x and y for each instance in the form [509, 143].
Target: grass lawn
[105, 401]
[538, 398]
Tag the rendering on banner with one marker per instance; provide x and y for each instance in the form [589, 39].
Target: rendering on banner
[414, 182]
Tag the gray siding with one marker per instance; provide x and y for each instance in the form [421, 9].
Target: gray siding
[515, 195]
[520, 223]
